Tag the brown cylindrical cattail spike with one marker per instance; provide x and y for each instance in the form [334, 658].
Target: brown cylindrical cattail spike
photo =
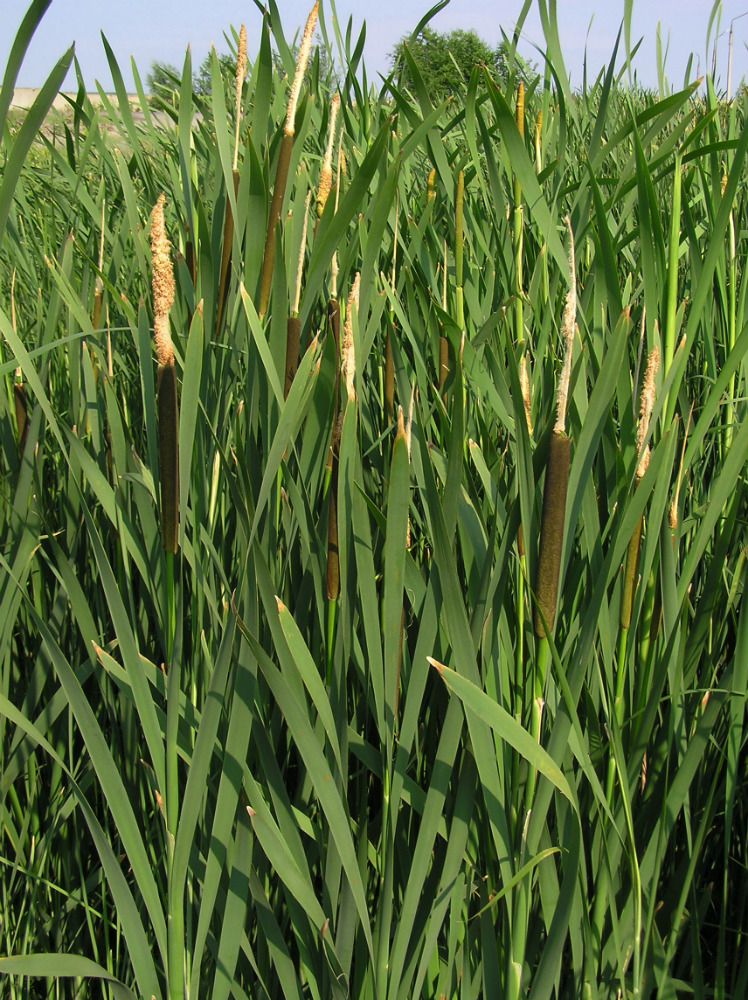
[552, 531]
[21, 406]
[443, 360]
[629, 575]
[168, 412]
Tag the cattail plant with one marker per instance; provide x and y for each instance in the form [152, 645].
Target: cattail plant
[546, 585]
[293, 326]
[281, 174]
[538, 141]
[347, 372]
[459, 250]
[325, 174]
[404, 431]
[348, 351]
[99, 284]
[732, 279]
[168, 414]
[671, 292]
[443, 342]
[19, 389]
[646, 404]
[519, 334]
[228, 222]
[21, 407]
[333, 321]
[557, 474]
[518, 224]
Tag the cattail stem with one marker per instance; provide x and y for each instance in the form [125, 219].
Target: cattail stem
[730, 415]
[293, 339]
[333, 319]
[276, 204]
[646, 405]
[389, 374]
[672, 281]
[518, 226]
[333, 563]
[459, 250]
[168, 455]
[443, 342]
[293, 324]
[226, 250]
[284, 159]
[166, 391]
[551, 532]
[629, 575]
[539, 142]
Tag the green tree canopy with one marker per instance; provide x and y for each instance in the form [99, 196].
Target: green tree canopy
[445, 60]
[163, 82]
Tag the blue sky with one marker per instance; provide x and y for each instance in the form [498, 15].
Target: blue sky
[151, 30]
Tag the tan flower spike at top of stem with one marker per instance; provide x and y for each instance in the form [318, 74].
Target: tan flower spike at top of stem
[646, 405]
[304, 49]
[241, 72]
[325, 174]
[348, 366]
[163, 284]
[166, 391]
[568, 327]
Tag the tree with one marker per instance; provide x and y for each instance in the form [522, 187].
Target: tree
[445, 61]
[163, 82]
[202, 81]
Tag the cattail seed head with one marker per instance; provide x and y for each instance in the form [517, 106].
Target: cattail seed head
[163, 284]
[568, 327]
[552, 531]
[325, 174]
[166, 392]
[673, 514]
[646, 405]
[241, 67]
[241, 72]
[301, 63]
[348, 366]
